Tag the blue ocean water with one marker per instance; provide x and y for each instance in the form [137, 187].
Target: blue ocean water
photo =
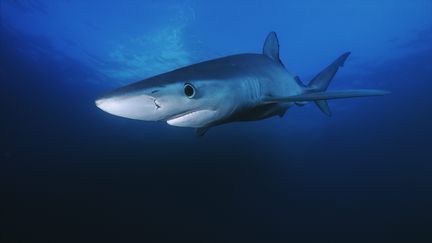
[73, 173]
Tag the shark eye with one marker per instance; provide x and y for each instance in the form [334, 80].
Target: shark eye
[189, 90]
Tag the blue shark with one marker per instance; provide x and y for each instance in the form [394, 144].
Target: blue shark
[242, 87]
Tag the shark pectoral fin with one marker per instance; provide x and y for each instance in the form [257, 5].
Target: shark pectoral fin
[320, 98]
[201, 131]
[271, 47]
[328, 95]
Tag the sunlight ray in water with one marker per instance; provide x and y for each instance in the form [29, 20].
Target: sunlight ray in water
[147, 55]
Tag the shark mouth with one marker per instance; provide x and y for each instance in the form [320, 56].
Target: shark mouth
[199, 118]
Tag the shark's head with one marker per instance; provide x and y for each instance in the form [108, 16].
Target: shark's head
[179, 101]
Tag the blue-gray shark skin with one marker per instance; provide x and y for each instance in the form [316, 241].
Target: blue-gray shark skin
[240, 87]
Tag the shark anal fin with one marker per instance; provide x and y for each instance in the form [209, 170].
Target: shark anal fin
[271, 47]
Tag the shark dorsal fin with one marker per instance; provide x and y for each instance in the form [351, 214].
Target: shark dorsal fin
[271, 47]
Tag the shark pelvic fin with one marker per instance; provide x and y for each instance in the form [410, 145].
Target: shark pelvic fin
[201, 131]
[271, 47]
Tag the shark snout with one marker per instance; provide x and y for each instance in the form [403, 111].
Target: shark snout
[140, 106]
[99, 102]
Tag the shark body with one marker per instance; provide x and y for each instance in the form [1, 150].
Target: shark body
[242, 87]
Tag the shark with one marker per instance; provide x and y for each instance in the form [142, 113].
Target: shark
[235, 88]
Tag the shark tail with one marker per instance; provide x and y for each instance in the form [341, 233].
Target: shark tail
[322, 81]
[316, 92]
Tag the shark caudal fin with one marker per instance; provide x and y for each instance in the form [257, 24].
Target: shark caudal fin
[316, 89]
[321, 81]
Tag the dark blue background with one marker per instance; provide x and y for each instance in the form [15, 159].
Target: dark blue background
[72, 173]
